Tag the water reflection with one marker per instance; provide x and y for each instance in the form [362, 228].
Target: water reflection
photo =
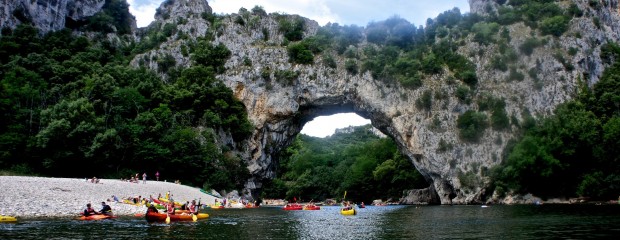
[391, 222]
[328, 223]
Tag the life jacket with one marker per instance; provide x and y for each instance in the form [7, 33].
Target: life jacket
[192, 208]
[89, 211]
[170, 208]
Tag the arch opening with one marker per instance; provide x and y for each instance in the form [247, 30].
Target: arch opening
[338, 150]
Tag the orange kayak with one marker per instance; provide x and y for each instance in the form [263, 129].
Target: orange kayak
[96, 217]
[312, 207]
[161, 217]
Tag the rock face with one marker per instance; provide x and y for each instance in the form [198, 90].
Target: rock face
[420, 196]
[46, 15]
[279, 108]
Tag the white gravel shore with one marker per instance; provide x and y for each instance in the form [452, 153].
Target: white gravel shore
[67, 197]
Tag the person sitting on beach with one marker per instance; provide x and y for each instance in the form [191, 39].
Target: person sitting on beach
[89, 210]
[105, 209]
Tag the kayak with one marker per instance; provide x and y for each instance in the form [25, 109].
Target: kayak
[7, 219]
[161, 217]
[236, 205]
[348, 212]
[312, 207]
[290, 207]
[167, 201]
[216, 206]
[180, 211]
[96, 217]
[125, 201]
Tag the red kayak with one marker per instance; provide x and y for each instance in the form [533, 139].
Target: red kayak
[294, 206]
[96, 217]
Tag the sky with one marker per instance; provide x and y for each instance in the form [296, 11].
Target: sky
[343, 12]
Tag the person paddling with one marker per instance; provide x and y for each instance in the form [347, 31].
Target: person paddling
[89, 210]
[193, 208]
[170, 208]
[105, 209]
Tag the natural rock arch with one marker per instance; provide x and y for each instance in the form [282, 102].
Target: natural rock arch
[280, 112]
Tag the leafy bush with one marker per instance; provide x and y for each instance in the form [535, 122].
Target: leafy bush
[425, 102]
[329, 61]
[463, 94]
[484, 33]
[293, 29]
[286, 77]
[498, 62]
[471, 125]
[555, 26]
[528, 46]
[444, 146]
[204, 53]
[499, 119]
[351, 66]
[299, 53]
[515, 75]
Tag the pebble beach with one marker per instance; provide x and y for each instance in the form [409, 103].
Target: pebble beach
[32, 197]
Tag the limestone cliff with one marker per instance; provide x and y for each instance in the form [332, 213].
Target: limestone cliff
[47, 15]
[458, 174]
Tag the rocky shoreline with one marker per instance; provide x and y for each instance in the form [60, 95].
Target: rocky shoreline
[31, 197]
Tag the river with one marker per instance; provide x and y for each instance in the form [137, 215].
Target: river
[389, 222]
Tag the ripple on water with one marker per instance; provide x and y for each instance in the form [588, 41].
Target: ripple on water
[428, 222]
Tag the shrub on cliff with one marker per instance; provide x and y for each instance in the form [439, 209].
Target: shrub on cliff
[471, 125]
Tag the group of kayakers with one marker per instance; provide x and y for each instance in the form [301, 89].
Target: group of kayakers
[105, 210]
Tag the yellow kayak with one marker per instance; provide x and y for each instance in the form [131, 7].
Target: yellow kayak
[167, 201]
[348, 212]
[202, 215]
[7, 219]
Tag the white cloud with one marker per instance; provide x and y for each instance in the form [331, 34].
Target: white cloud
[344, 12]
[314, 9]
[144, 11]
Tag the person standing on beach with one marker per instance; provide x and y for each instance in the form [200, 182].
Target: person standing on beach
[144, 178]
[157, 175]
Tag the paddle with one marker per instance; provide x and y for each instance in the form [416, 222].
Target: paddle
[194, 217]
[167, 218]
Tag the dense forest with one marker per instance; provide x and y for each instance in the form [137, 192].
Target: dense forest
[361, 163]
[73, 107]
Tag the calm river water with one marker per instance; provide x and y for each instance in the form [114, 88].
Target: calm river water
[391, 222]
